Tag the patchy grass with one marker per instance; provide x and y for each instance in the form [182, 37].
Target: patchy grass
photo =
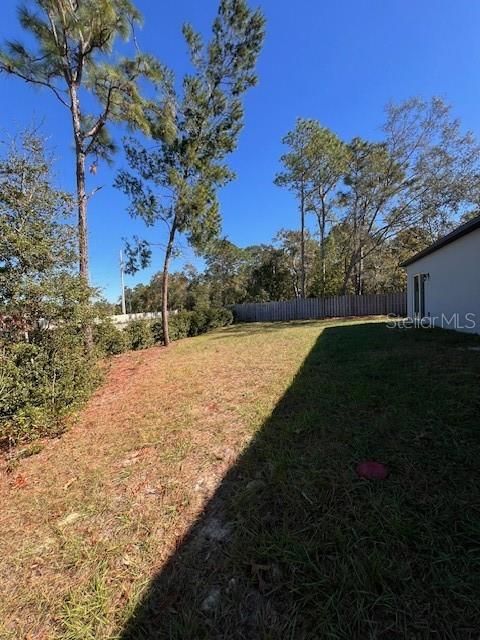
[208, 491]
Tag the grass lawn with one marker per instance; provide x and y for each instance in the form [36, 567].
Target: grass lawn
[208, 491]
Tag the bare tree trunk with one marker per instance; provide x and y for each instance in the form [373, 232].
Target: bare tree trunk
[346, 278]
[349, 271]
[80, 175]
[302, 243]
[360, 272]
[352, 269]
[83, 235]
[81, 199]
[324, 271]
[322, 216]
[166, 264]
[82, 216]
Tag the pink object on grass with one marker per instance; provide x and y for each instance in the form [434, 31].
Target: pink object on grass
[371, 470]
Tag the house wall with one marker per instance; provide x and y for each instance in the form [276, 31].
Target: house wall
[453, 287]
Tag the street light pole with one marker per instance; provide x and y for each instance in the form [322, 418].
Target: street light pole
[124, 307]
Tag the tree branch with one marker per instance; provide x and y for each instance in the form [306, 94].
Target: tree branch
[28, 79]
[95, 130]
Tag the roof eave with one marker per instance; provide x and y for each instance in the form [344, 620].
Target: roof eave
[457, 233]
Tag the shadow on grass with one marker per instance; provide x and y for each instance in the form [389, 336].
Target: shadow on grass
[293, 545]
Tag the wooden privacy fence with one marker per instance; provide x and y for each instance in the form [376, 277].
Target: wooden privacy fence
[380, 304]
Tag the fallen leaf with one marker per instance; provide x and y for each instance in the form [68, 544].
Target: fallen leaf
[20, 481]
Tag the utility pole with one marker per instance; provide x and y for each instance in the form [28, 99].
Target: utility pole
[124, 307]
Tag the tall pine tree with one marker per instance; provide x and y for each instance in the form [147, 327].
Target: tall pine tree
[73, 57]
[175, 180]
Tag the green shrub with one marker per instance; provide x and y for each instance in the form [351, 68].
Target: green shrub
[218, 317]
[179, 325]
[45, 306]
[198, 322]
[203, 320]
[157, 331]
[42, 381]
[109, 339]
[139, 334]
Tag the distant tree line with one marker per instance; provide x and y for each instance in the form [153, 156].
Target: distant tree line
[265, 272]
[375, 203]
[364, 207]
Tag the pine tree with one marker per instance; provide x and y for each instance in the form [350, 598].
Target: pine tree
[297, 175]
[175, 180]
[73, 57]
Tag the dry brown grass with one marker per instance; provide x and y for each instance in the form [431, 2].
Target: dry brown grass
[88, 520]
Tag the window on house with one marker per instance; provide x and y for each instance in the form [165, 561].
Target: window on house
[419, 295]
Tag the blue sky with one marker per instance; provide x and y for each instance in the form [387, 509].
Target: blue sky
[338, 61]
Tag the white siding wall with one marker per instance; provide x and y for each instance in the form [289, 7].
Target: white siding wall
[454, 283]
